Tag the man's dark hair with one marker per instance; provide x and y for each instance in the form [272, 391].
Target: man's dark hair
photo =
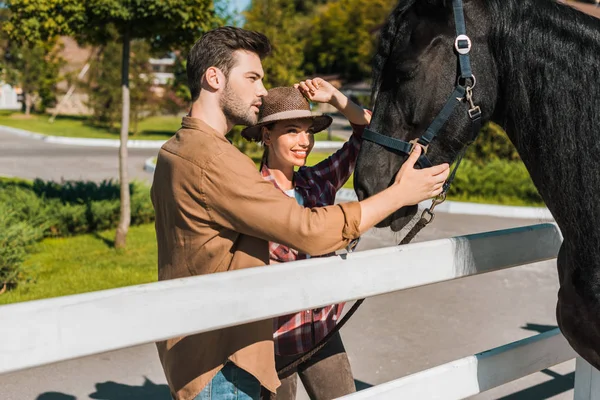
[215, 49]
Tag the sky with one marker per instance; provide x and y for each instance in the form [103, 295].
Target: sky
[238, 5]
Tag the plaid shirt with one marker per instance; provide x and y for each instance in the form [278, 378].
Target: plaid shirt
[300, 332]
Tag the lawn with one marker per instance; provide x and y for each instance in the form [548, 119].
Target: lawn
[86, 263]
[152, 128]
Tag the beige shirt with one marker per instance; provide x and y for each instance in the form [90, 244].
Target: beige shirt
[215, 213]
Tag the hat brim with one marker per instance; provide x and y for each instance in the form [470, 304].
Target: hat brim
[320, 123]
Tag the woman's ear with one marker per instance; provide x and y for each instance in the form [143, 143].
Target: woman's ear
[266, 135]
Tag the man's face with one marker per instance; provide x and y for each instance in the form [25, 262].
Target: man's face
[242, 96]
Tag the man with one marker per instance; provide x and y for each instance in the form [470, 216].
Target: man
[215, 213]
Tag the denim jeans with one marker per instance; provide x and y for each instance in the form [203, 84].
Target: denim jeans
[231, 383]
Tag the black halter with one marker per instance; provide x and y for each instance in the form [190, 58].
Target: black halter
[463, 93]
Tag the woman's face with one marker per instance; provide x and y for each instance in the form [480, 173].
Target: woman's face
[289, 142]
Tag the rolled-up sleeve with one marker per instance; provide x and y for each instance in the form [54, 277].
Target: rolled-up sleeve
[238, 198]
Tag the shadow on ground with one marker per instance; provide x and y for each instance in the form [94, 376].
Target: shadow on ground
[360, 385]
[118, 391]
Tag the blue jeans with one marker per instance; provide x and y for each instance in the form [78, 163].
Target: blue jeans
[231, 383]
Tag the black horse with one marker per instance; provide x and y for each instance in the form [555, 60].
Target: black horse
[537, 70]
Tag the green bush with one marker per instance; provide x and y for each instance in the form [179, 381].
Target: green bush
[31, 210]
[492, 144]
[69, 208]
[16, 240]
[500, 181]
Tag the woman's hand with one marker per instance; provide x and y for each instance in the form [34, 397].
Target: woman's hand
[317, 90]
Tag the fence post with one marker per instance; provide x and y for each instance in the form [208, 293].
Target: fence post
[587, 381]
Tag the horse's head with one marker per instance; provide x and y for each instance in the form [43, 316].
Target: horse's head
[415, 71]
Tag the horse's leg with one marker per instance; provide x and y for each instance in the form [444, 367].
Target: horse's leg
[577, 318]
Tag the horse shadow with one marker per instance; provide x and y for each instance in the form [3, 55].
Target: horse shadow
[118, 391]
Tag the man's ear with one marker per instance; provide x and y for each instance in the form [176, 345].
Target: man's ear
[214, 78]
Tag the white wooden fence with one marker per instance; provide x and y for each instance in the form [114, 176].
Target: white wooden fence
[45, 331]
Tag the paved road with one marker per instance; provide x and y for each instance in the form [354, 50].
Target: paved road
[32, 158]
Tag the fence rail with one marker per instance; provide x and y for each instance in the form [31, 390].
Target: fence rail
[45, 331]
[475, 374]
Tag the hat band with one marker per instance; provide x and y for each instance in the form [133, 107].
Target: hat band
[292, 114]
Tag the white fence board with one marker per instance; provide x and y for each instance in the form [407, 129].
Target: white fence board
[40, 332]
[587, 381]
[475, 374]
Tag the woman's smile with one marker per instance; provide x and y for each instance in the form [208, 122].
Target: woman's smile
[301, 154]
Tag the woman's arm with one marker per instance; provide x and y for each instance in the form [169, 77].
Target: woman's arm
[321, 91]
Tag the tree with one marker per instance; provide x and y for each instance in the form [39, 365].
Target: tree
[36, 70]
[164, 24]
[341, 39]
[278, 21]
[104, 93]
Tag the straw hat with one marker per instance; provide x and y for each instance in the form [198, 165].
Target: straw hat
[283, 103]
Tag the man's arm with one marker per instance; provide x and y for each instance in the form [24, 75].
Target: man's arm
[238, 198]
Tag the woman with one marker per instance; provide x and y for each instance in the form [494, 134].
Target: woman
[286, 128]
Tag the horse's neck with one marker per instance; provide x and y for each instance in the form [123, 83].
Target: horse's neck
[550, 107]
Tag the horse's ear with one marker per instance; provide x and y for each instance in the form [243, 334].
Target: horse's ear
[427, 7]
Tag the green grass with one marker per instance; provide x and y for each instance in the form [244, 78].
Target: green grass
[322, 136]
[152, 128]
[87, 263]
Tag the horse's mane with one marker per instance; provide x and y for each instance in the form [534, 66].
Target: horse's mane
[548, 59]
[387, 36]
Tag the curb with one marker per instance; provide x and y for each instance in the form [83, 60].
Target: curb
[134, 144]
[328, 145]
[458, 207]
[149, 165]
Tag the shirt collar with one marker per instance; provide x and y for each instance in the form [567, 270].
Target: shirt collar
[299, 180]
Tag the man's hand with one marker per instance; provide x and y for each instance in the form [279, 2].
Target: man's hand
[416, 185]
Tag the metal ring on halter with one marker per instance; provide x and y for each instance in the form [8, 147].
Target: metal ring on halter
[464, 80]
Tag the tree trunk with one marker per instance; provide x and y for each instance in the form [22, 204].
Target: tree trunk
[28, 103]
[125, 212]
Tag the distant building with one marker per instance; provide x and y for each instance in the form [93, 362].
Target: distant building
[162, 68]
[10, 97]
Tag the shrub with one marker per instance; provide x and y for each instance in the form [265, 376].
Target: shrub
[499, 180]
[31, 210]
[492, 144]
[16, 239]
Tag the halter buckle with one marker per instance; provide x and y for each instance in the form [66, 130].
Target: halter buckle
[475, 112]
[462, 44]
[415, 142]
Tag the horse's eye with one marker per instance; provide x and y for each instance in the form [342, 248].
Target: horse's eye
[406, 71]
